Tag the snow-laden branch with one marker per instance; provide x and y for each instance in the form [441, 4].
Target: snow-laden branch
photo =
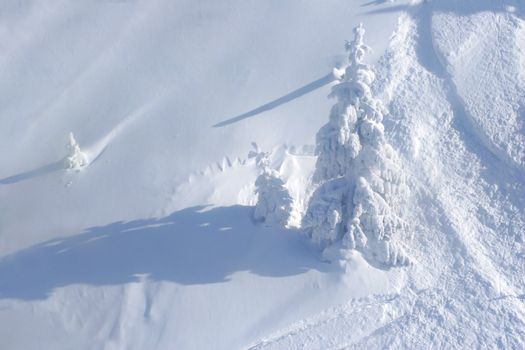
[357, 171]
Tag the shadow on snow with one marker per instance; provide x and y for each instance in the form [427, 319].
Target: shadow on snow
[468, 7]
[314, 85]
[191, 246]
[49, 168]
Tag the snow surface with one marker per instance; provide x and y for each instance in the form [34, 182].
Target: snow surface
[151, 246]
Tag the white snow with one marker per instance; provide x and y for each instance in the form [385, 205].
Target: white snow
[152, 245]
[488, 82]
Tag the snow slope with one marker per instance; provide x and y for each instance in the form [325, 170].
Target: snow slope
[144, 81]
[467, 288]
[151, 246]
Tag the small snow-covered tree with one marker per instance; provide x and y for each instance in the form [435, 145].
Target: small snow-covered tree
[357, 171]
[274, 203]
[75, 159]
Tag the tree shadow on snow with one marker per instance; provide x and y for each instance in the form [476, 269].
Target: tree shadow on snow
[191, 246]
[375, 2]
[46, 169]
[468, 7]
[303, 90]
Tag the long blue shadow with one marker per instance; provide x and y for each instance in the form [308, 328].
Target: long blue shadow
[451, 6]
[188, 247]
[374, 2]
[49, 168]
[282, 100]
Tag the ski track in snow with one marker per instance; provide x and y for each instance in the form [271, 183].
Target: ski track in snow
[339, 326]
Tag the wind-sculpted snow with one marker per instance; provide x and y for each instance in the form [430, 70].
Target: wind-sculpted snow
[357, 171]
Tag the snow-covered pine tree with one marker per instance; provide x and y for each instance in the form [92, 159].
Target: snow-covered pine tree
[274, 203]
[357, 171]
[75, 159]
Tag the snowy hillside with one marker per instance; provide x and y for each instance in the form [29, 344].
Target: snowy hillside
[154, 228]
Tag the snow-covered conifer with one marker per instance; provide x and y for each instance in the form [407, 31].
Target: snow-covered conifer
[274, 203]
[357, 171]
[75, 159]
